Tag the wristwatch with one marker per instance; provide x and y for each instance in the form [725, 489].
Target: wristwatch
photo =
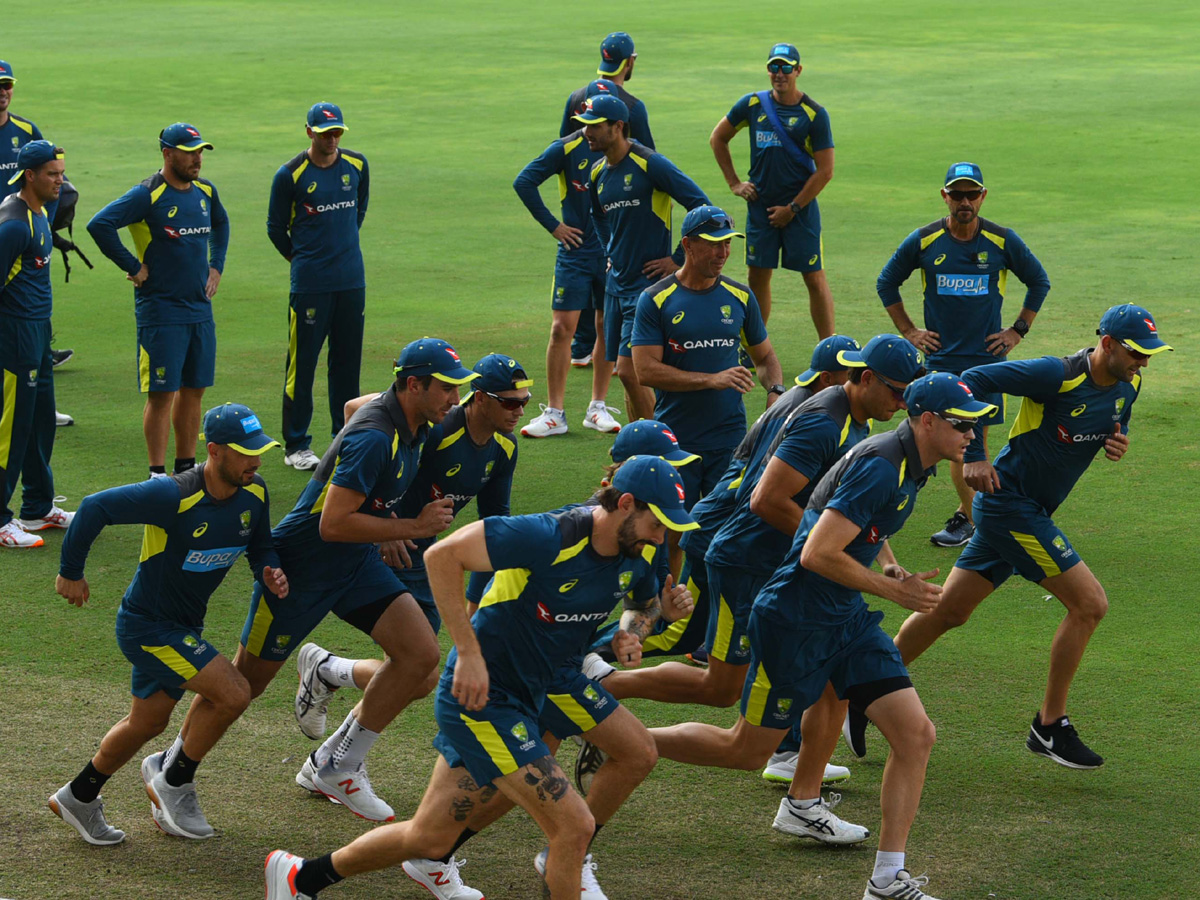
[794, 208]
[1021, 327]
[776, 389]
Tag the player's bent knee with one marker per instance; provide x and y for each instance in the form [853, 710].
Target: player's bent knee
[424, 689]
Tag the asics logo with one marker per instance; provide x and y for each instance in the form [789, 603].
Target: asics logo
[563, 588]
[199, 531]
[677, 318]
[1078, 411]
[453, 470]
[941, 259]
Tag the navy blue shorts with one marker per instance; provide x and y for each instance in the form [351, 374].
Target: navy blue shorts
[497, 740]
[174, 356]
[799, 241]
[417, 583]
[732, 592]
[579, 285]
[1014, 533]
[701, 475]
[574, 704]
[619, 310]
[165, 655]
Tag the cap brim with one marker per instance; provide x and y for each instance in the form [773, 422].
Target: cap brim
[679, 458]
[1150, 347]
[588, 120]
[783, 59]
[963, 178]
[257, 445]
[851, 359]
[454, 376]
[675, 519]
[971, 409]
[20, 174]
[192, 148]
[616, 71]
[807, 377]
[717, 236]
[324, 128]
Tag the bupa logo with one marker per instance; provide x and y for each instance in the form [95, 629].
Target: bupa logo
[963, 285]
[211, 560]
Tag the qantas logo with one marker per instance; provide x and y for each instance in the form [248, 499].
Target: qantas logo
[675, 345]
[545, 615]
[329, 207]
[679, 491]
[873, 536]
[327, 114]
[621, 204]
[1150, 325]
[40, 262]
[579, 185]
[450, 350]
[1066, 437]
[177, 233]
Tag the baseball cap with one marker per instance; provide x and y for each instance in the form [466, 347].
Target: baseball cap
[964, 171]
[236, 426]
[654, 481]
[1130, 324]
[709, 222]
[182, 136]
[325, 117]
[34, 154]
[943, 392]
[6, 73]
[648, 437]
[825, 358]
[614, 51]
[785, 53]
[498, 372]
[430, 356]
[888, 354]
[603, 108]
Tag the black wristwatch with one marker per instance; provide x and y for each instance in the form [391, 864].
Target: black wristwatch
[776, 389]
[1021, 327]
[794, 208]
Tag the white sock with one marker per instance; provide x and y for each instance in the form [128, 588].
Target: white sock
[887, 864]
[337, 671]
[803, 804]
[350, 753]
[325, 751]
[169, 754]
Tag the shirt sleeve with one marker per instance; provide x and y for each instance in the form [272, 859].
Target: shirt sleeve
[819, 133]
[14, 239]
[867, 486]
[647, 323]
[1038, 379]
[132, 206]
[218, 241]
[568, 124]
[902, 264]
[493, 500]
[363, 455]
[152, 502]
[646, 588]
[639, 125]
[1023, 264]
[279, 212]
[739, 113]
[526, 183]
[260, 552]
[753, 329]
[522, 542]
[668, 177]
[808, 443]
[364, 191]
[37, 133]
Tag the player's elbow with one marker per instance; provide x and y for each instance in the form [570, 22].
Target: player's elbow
[331, 527]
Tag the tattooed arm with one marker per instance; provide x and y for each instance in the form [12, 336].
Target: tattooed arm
[637, 621]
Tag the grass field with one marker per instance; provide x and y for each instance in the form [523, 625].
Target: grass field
[1084, 117]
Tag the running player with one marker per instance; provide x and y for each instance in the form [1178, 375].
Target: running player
[964, 262]
[181, 232]
[557, 574]
[1072, 408]
[318, 203]
[812, 634]
[198, 525]
[791, 161]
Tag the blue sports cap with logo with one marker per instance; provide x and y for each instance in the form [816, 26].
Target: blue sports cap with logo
[6, 73]
[603, 108]
[785, 53]
[430, 356]
[943, 392]
[325, 116]
[648, 437]
[1133, 325]
[615, 51]
[887, 354]
[34, 154]
[709, 222]
[825, 358]
[182, 136]
[236, 426]
[498, 372]
[654, 481]
[964, 171]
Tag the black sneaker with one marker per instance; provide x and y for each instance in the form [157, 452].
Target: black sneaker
[698, 657]
[1060, 741]
[957, 532]
[58, 357]
[854, 730]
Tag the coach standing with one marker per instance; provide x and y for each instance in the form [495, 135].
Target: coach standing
[318, 203]
[180, 232]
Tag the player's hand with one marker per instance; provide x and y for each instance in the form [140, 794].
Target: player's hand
[738, 378]
[659, 268]
[1002, 341]
[780, 216]
[746, 190]
[627, 649]
[395, 553]
[981, 476]
[897, 571]
[916, 593]
[214, 280]
[76, 592]
[676, 600]
[568, 235]
[435, 517]
[139, 277]
[470, 687]
[925, 341]
[1116, 446]
[275, 581]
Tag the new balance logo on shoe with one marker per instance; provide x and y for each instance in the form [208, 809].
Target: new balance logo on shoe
[346, 785]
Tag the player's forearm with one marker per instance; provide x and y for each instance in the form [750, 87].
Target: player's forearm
[218, 244]
[770, 371]
[815, 184]
[840, 567]
[361, 528]
[640, 622]
[446, 572]
[779, 511]
[659, 375]
[724, 158]
[105, 235]
[900, 318]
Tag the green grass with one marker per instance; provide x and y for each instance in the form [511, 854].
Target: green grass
[1084, 117]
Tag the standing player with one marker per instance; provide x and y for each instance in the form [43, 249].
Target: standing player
[811, 633]
[964, 262]
[198, 525]
[557, 574]
[577, 290]
[318, 203]
[180, 232]
[27, 388]
[1072, 408]
[791, 161]
[631, 191]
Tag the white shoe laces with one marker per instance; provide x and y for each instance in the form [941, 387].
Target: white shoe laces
[452, 868]
[589, 875]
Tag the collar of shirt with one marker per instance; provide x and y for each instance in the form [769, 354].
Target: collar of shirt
[908, 442]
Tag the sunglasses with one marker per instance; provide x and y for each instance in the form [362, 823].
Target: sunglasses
[6, 85]
[713, 224]
[964, 195]
[776, 68]
[510, 403]
[897, 389]
[962, 426]
[1136, 354]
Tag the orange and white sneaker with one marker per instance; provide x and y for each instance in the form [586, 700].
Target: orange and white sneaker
[352, 789]
[14, 537]
[56, 518]
[550, 422]
[441, 879]
[600, 418]
[280, 874]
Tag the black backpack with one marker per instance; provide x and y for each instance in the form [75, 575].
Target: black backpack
[64, 218]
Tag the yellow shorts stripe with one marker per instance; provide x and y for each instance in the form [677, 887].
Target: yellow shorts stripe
[1037, 553]
[289, 385]
[669, 637]
[263, 617]
[170, 658]
[758, 696]
[573, 711]
[143, 370]
[7, 416]
[489, 738]
[720, 650]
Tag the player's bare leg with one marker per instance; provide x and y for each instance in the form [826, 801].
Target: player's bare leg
[820, 302]
[963, 591]
[558, 355]
[1086, 603]
[672, 682]
[759, 280]
[744, 746]
[185, 418]
[156, 425]
[639, 400]
[148, 718]
[412, 656]
[222, 695]
[631, 755]
[901, 718]
[602, 369]
[819, 731]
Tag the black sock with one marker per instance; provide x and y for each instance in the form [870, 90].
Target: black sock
[182, 465]
[599, 825]
[158, 470]
[316, 875]
[466, 835]
[182, 770]
[87, 784]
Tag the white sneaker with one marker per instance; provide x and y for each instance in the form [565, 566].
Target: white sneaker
[818, 822]
[280, 874]
[440, 879]
[302, 460]
[15, 537]
[551, 421]
[599, 418]
[581, 362]
[903, 887]
[56, 518]
[781, 769]
[313, 694]
[589, 887]
[62, 420]
[596, 668]
[352, 789]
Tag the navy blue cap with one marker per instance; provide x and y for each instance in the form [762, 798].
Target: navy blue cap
[943, 392]
[325, 116]
[648, 437]
[1132, 325]
[785, 53]
[825, 358]
[236, 426]
[498, 372]
[709, 222]
[655, 482]
[887, 354]
[964, 171]
[603, 108]
[614, 51]
[34, 154]
[430, 356]
[182, 136]
[6, 73]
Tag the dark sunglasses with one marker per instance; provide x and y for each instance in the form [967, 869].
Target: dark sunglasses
[6, 85]
[714, 224]
[962, 426]
[776, 68]
[1136, 354]
[964, 195]
[898, 389]
[510, 403]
